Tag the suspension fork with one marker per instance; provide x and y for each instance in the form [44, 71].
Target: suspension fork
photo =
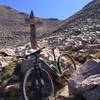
[38, 73]
[39, 76]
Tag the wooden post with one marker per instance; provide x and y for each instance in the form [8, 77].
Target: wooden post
[33, 31]
[31, 21]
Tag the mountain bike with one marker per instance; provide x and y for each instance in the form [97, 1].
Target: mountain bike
[38, 83]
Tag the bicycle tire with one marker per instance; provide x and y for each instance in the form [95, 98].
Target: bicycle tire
[63, 68]
[25, 97]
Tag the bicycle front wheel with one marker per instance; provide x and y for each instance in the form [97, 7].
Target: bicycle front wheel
[38, 89]
[66, 64]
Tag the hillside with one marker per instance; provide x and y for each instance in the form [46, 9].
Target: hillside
[86, 19]
[84, 22]
[14, 31]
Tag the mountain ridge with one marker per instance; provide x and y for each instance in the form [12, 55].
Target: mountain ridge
[89, 10]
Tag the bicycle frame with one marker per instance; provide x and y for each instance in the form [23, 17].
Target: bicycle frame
[52, 63]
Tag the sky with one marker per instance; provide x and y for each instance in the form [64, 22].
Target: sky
[60, 9]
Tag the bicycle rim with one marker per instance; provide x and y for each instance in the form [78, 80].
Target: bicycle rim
[25, 95]
[66, 64]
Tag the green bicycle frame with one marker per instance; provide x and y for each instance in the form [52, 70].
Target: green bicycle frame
[52, 64]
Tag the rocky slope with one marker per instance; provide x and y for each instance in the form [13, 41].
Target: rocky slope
[13, 29]
[86, 22]
[87, 19]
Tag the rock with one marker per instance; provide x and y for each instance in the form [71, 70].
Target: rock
[91, 87]
[3, 63]
[8, 52]
[86, 80]
[78, 45]
[47, 53]
[95, 46]
[98, 41]
[20, 51]
[68, 45]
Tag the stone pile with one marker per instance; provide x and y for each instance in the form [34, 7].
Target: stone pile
[13, 54]
[75, 42]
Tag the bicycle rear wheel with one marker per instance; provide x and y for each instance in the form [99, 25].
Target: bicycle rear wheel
[66, 64]
[32, 88]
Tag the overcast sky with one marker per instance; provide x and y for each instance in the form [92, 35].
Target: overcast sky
[60, 9]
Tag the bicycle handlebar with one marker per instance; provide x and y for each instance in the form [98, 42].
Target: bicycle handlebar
[36, 52]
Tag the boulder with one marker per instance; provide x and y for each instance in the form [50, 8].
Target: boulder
[3, 62]
[78, 45]
[91, 87]
[20, 51]
[85, 81]
[95, 46]
[7, 52]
